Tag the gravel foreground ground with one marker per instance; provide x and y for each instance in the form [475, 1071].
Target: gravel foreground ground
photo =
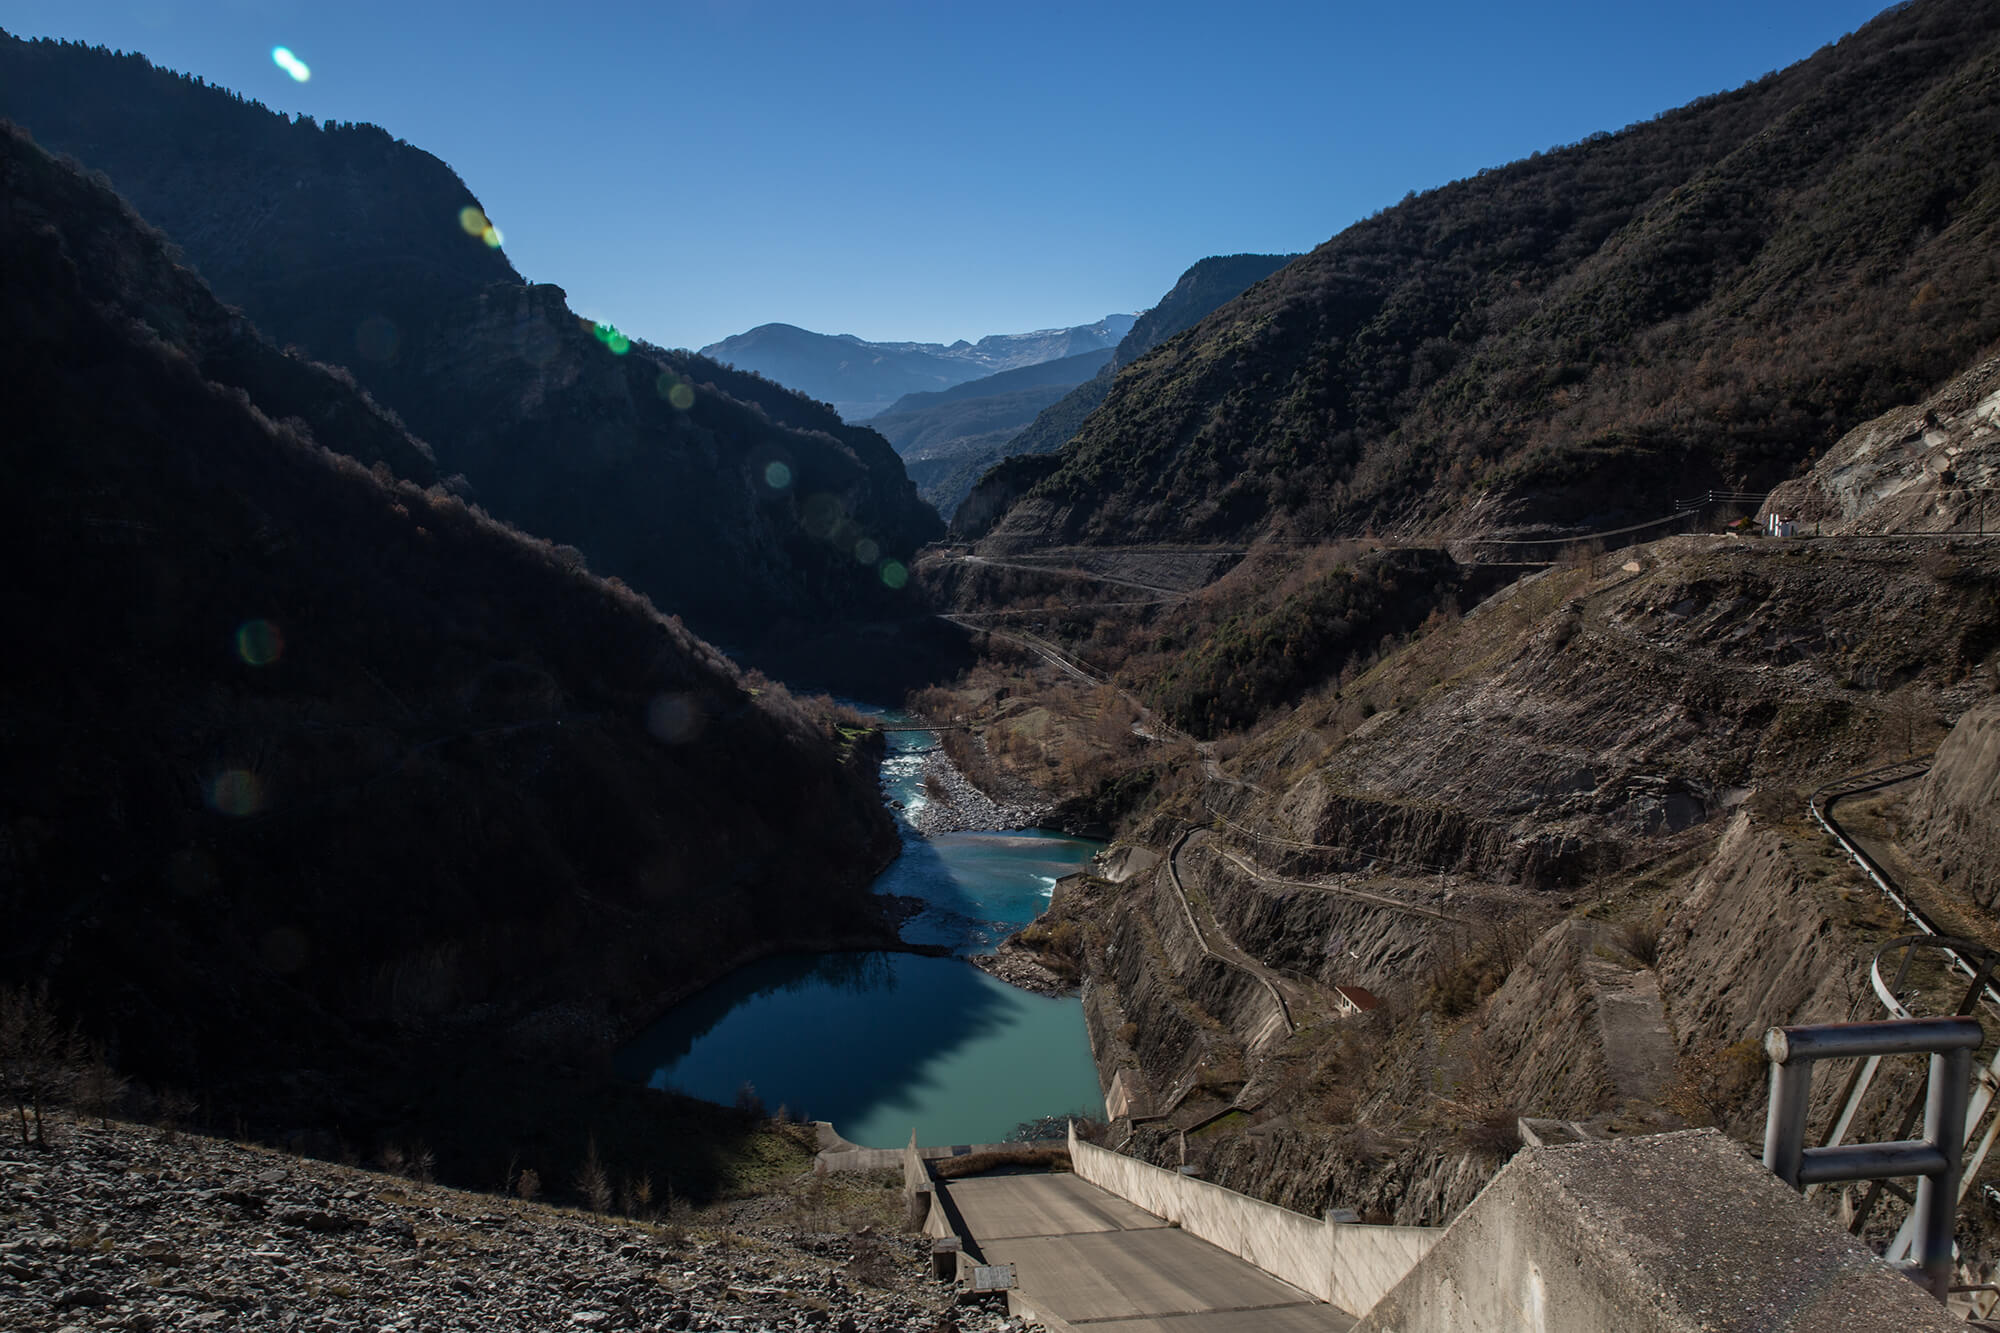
[124, 1227]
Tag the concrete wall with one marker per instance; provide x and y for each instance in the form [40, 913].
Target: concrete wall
[1348, 1265]
[1669, 1234]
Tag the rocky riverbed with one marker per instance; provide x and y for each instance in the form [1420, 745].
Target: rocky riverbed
[126, 1227]
[1018, 965]
[954, 805]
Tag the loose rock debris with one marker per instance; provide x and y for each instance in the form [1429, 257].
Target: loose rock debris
[126, 1228]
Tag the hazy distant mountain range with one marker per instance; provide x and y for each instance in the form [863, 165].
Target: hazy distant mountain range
[949, 439]
[861, 378]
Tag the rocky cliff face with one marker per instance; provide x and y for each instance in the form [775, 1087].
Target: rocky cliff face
[723, 497]
[1932, 466]
[1615, 710]
[1956, 812]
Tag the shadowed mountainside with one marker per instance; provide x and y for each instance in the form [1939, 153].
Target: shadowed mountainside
[1204, 286]
[942, 435]
[367, 252]
[1703, 299]
[325, 794]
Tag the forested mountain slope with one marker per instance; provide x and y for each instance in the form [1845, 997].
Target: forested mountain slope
[307, 770]
[369, 253]
[1207, 284]
[1200, 290]
[1707, 298]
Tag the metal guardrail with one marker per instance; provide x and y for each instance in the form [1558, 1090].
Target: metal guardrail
[1936, 1159]
[1973, 961]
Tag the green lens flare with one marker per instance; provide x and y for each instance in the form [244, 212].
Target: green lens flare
[259, 642]
[777, 476]
[681, 395]
[894, 575]
[283, 58]
[472, 220]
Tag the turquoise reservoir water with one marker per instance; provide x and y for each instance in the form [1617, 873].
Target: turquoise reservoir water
[880, 1043]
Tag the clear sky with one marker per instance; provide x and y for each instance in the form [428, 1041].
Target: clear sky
[688, 169]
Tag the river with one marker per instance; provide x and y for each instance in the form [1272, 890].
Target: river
[881, 1043]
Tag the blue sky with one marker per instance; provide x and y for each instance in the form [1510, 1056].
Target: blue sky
[688, 170]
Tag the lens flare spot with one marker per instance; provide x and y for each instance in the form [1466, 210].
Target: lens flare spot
[259, 642]
[611, 338]
[282, 57]
[866, 551]
[681, 395]
[494, 240]
[472, 219]
[674, 718]
[777, 476]
[894, 575]
[235, 792]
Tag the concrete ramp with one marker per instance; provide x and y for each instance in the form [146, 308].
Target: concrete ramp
[1677, 1233]
[1089, 1261]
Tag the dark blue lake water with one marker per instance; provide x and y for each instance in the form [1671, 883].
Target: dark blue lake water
[881, 1043]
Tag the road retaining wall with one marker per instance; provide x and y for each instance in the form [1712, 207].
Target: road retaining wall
[1675, 1233]
[1347, 1265]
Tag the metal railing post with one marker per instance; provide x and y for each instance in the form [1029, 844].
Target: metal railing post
[1937, 1159]
[1791, 1096]
[1937, 1196]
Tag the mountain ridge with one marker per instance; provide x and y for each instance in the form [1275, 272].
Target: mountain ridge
[369, 253]
[574, 809]
[1524, 350]
[860, 378]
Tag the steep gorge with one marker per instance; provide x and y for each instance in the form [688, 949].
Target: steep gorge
[328, 797]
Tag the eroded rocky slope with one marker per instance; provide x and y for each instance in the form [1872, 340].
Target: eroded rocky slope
[1559, 842]
[1957, 809]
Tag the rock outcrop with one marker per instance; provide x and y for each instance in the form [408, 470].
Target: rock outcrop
[1933, 466]
[1956, 812]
